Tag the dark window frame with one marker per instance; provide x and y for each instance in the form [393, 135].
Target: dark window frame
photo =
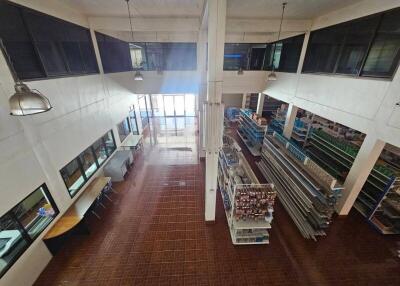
[360, 74]
[45, 74]
[98, 165]
[24, 233]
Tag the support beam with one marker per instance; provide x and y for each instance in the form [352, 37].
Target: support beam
[214, 127]
[289, 122]
[260, 103]
[96, 50]
[365, 160]
[244, 100]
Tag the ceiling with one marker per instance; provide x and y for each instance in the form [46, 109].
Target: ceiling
[141, 8]
[296, 9]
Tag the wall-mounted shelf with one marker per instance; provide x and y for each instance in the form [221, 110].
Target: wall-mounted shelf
[248, 204]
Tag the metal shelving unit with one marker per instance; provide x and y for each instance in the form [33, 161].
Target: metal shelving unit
[308, 193]
[251, 132]
[337, 157]
[248, 204]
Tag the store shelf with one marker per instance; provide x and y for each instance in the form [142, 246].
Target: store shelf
[250, 204]
[254, 150]
[298, 183]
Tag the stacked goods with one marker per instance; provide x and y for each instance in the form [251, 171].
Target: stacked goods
[251, 130]
[310, 203]
[254, 203]
[248, 204]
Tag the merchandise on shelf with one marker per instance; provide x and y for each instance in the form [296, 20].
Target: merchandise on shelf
[308, 193]
[248, 204]
[251, 130]
[232, 113]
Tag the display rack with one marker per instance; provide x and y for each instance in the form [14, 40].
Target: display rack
[251, 132]
[248, 204]
[308, 192]
[336, 156]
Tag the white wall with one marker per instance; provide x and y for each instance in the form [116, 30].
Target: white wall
[232, 99]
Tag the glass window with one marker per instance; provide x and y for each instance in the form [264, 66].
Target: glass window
[358, 37]
[190, 104]
[257, 53]
[115, 54]
[288, 54]
[23, 223]
[109, 140]
[88, 162]
[123, 129]
[157, 102]
[323, 49]
[36, 211]
[179, 56]
[384, 54]
[12, 242]
[133, 121]
[73, 176]
[236, 56]
[99, 148]
[138, 56]
[155, 56]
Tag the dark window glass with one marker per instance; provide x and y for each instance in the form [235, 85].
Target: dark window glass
[115, 54]
[155, 56]
[268, 57]
[23, 223]
[88, 162]
[73, 176]
[133, 121]
[12, 242]
[257, 53]
[36, 211]
[123, 129]
[323, 49]
[236, 56]
[18, 43]
[384, 54]
[358, 37]
[179, 56]
[99, 148]
[287, 54]
[109, 140]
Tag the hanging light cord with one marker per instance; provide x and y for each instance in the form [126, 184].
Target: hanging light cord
[279, 34]
[130, 18]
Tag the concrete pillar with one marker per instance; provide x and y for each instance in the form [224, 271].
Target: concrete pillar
[96, 50]
[214, 127]
[260, 103]
[303, 52]
[244, 100]
[365, 160]
[289, 122]
[202, 92]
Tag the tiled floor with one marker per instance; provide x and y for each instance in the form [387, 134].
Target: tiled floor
[154, 234]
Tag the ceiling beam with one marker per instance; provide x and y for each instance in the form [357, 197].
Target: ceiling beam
[266, 26]
[145, 24]
[195, 24]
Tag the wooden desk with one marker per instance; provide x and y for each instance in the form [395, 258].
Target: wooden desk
[76, 212]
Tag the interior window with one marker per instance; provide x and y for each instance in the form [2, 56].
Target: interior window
[12, 242]
[73, 176]
[88, 162]
[35, 212]
[99, 148]
[110, 142]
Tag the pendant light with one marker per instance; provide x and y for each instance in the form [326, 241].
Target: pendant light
[24, 101]
[138, 75]
[272, 75]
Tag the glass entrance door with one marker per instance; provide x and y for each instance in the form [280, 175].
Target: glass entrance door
[173, 104]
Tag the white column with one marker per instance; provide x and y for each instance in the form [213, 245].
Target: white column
[260, 103]
[244, 100]
[303, 52]
[202, 79]
[96, 50]
[289, 122]
[365, 160]
[216, 41]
